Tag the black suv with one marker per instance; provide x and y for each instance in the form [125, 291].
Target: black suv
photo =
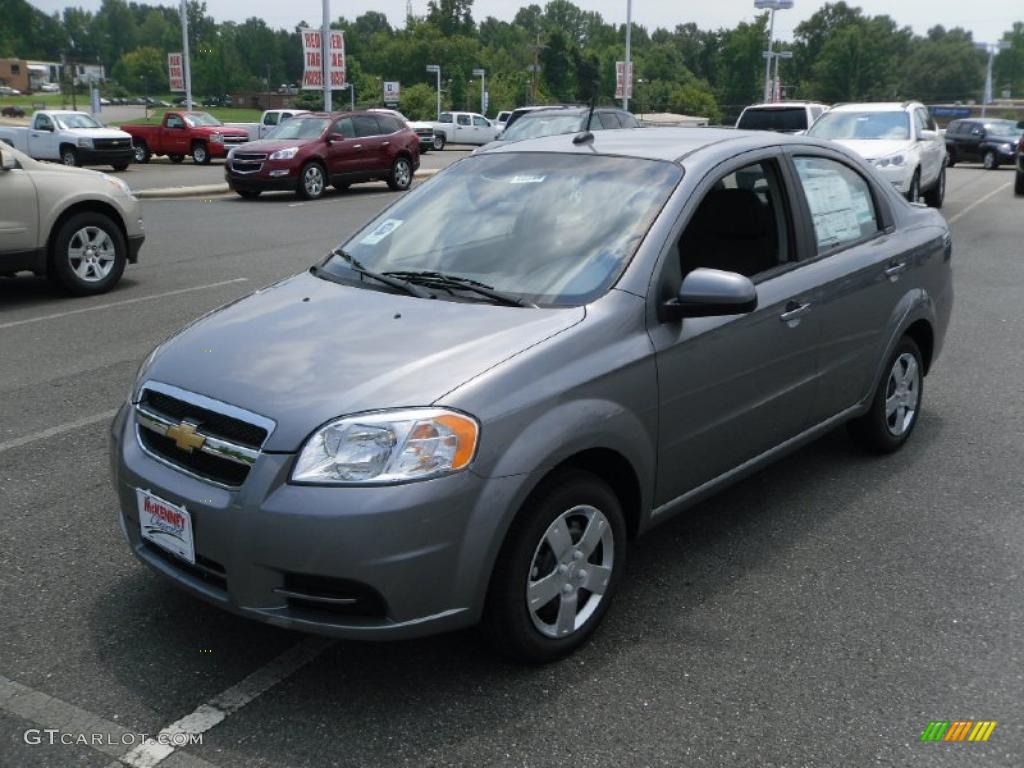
[992, 142]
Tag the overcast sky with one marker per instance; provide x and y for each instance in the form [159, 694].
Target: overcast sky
[987, 19]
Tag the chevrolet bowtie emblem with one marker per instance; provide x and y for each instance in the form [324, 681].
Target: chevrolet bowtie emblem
[185, 437]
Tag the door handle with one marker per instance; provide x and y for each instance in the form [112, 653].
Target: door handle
[895, 270]
[386, 144]
[357, 146]
[794, 311]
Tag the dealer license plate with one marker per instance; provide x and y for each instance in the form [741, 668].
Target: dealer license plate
[167, 525]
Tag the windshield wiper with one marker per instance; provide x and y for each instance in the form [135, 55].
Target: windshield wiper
[443, 280]
[394, 282]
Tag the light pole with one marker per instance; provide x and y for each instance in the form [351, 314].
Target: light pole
[777, 84]
[185, 55]
[325, 55]
[991, 49]
[772, 6]
[436, 69]
[482, 74]
[627, 79]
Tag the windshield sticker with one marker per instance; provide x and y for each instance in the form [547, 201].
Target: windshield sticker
[526, 179]
[383, 229]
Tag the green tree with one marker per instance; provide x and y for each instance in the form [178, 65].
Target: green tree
[418, 102]
[144, 69]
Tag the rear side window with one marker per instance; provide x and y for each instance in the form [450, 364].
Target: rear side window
[627, 120]
[366, 126]
[780, 119]
[840, 201]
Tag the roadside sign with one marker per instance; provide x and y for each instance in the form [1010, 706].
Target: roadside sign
[392, 90]
[624, 90]
[312, 58]
[176, 71]
[955, 112]
[337, 60]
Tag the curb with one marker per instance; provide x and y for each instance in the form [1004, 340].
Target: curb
[222, 189]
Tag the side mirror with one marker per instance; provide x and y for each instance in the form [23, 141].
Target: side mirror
[331, 138]
[928, 135]
[711, 293]
[7, 160]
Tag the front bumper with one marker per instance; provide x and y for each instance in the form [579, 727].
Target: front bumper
[420, 553]
[106, 156]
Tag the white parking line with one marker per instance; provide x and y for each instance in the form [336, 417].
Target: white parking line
[217, 709]
[979, 201]
[57, 315]
[48, 712]
[58, 430]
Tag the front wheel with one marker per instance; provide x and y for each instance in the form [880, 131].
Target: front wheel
[558, 569]
[439, 142]
[142, 153]
[69, 156]
[990, 161]
[897, 402]
[401, 174]
[200, 154]
[89, 254]
[937, 194]
[312, 182]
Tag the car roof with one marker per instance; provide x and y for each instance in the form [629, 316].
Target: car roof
[786, 105]
[671, 144]
[876, 106]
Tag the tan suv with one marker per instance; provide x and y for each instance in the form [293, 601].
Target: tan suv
[77, 227]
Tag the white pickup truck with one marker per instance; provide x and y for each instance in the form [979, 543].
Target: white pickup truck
[462, 128]
[268, 122]
[72, 138]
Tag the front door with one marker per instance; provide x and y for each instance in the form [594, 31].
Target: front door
[43, 142]
[345, 153]
[368, 133]
[19, 213]
[483, 132]
[731, 388]
[174, 139]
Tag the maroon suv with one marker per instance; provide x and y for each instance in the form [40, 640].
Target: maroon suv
[310, 151]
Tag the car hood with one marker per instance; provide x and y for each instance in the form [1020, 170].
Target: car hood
[224, 130]
[272, 145]
[414, 124]
[306, 350]
[872, 149]
[99, 133]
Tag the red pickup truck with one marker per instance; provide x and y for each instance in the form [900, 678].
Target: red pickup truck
[198, 134]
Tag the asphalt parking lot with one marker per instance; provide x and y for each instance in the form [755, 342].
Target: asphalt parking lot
[820, 613]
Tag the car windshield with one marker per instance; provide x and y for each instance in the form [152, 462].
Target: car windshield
[300, 128]
[550, 229]
[200, 119]
[76, 121]
[536, 124]
[775, 119]
[893, 126]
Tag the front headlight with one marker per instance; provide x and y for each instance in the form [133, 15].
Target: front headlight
[284, 154]
[85, 143]
[216, 138]
[388, 447]
[893, 160]
[1007, 148]
[119, 183]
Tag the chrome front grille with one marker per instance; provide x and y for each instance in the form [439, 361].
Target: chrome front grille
[247, 162]
[199, 436]
[235, 140]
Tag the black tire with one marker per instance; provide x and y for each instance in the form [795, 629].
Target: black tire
[1018, 184]
[120, 166]
[935, 196]
[59, 267]
[950, 159]
[248, 194]
[400, 178]
[176, 158]
[308, 188]
[142, 153]
[439, 142]
[507, 622]
[69, 156]
[990, 160]
[873, 430]
[200, 153]
[914, 193]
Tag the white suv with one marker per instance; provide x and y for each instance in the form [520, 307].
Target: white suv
[899, 139]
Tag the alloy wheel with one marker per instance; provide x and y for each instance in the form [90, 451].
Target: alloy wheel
[902, 394]
[91, 254]
[403, 173]
[313, 181]
[570, 571]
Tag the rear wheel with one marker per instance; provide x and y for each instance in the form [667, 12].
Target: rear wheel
[120, 166]
[897, 403]
[937, 194]
[200, 154]
[439, 141]
[69, 156]
[311, 181]
[176, 158]
[990, 161]
[89, 254]
[401, 174]
[142, 153]
[558, 569]
[951, 158]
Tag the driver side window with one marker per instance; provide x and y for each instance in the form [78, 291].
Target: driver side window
[43, 123]
[344, 127]
[175, 121]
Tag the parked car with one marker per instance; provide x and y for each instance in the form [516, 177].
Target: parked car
[305, 154]
[462, 128]
[50, 88]
[424, 130]
[991, 142]
[499, 122]
[6, 90]
[782, 116]
[1018, 183]
[72, 138]
[517, 113]
[900, 139]
[12, 111]
[182, 133]
[77, 227]
[268, 121]
[467, 410]
[548, 122]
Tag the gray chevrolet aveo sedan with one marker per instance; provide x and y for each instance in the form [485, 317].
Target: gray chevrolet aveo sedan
[465, 412]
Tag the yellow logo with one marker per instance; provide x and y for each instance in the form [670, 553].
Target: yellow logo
[185, 437]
